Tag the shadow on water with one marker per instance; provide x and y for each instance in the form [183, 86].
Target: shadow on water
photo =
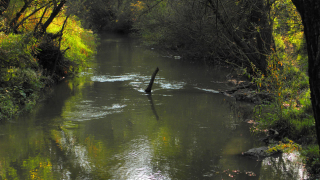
[152, 106]
[100, 126]
[52, 106]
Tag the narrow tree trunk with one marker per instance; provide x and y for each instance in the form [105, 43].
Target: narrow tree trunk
[310, 15]
[263, 37]
[15, 19]
[148, 90]
[36, 30]
[15, 28]
[54, 13]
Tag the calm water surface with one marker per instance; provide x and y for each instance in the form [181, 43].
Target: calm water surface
[101, 125]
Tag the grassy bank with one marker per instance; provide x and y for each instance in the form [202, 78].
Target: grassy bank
[290, 112]
[30, 63]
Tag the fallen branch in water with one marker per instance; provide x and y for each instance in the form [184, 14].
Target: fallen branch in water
[148, 90]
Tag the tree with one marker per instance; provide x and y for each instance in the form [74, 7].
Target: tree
[3, 5]
[253, 37]
[14, 23]
[56, 9]
[239, 32]
[310, 15]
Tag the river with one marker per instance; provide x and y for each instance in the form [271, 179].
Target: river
[102, 125]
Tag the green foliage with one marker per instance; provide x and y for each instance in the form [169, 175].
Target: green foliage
[178, 26]
[80, 41]
[312, 159]
[20, 83]
[153, 26]
[16, 50]
[291, 110]
[19, 92]
[22, 73]
[108, 15]
[287, 146]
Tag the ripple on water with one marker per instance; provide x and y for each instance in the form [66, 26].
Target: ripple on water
[109, 78]
[136, 162]
[139, 82]
[164, 84]
[208, 90]
[76, 152]
[85, 111]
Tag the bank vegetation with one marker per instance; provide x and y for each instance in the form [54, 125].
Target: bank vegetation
[40, 44]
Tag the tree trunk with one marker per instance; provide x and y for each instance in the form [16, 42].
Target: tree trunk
[15, 28]
[310, 15]
[13, 22]
[54, 13]
[263, 37]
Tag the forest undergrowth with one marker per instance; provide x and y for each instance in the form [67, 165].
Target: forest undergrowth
[30, 63]
[290, 112]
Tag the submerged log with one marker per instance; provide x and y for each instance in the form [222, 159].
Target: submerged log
[148, 90]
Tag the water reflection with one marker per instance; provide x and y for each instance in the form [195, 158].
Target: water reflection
[136, 162]
[152, 106]
[208, 90]
[108, 78]
[101, 125]
[85, 110]
[285, 166]
[171, 85]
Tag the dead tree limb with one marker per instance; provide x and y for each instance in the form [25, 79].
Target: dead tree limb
[148, 90]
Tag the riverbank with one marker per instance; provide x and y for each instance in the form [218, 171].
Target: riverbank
[30, 65]
[283, 119]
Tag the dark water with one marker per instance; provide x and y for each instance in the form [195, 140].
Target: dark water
[101, 125]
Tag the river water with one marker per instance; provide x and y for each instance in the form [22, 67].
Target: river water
[101, 125]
